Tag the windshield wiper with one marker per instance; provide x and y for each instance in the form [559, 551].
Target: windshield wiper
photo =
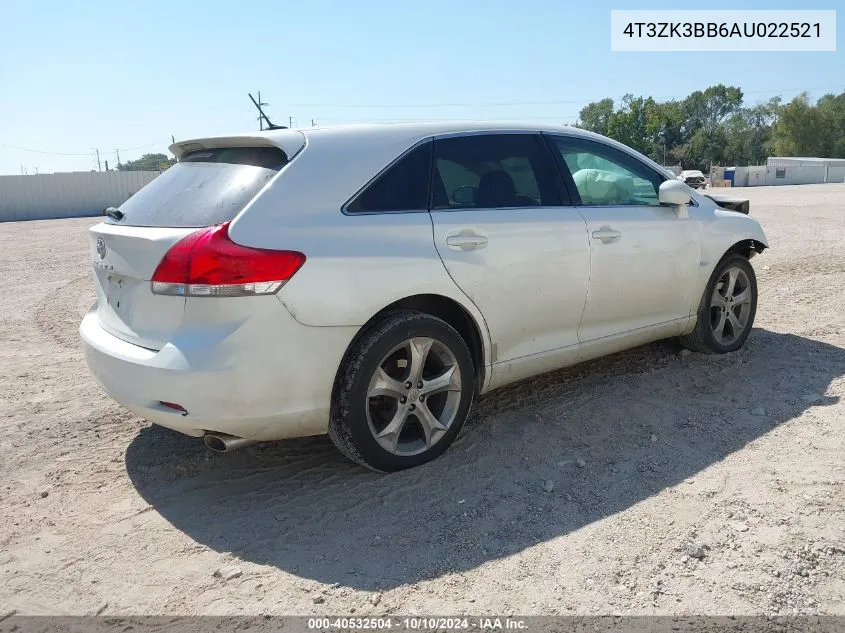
[114, 214]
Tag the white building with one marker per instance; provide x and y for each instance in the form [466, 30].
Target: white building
[788, 170]
[801, 161]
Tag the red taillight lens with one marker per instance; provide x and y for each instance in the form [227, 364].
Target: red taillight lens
[207, 263]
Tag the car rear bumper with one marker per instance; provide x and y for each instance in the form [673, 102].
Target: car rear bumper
[255, 379]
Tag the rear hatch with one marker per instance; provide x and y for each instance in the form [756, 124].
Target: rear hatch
[214, 180]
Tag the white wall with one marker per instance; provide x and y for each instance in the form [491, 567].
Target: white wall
[75, 194]
[756, 175]
[741, 176]
[803, 175]
[836, 174]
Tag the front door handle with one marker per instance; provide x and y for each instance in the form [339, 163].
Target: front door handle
[607, 235]
[466, 241]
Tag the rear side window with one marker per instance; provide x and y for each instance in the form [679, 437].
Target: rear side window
[493, 171]
[402, 187]
[204, 188]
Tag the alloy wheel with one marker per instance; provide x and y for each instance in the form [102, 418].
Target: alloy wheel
[730, 306]
[413, 396]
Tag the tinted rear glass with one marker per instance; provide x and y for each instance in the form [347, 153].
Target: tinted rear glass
[204, 188]
[403, 187]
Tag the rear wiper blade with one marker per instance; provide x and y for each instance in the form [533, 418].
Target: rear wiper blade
[113, 213]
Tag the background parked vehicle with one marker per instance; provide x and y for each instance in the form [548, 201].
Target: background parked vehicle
[694, 178]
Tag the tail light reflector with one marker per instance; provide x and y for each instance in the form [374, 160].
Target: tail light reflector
[207, 263]
[174, 406]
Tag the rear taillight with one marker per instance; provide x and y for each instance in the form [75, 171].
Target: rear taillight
[207, 263]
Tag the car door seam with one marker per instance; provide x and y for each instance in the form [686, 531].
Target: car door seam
[589, 271]
[461, 290]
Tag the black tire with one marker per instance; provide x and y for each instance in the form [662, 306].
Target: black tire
[350, 426]
[703, 338]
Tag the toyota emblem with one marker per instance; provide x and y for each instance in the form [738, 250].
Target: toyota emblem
[101, 248]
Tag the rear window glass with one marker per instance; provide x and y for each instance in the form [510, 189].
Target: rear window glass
[403, 187]
[205, 187]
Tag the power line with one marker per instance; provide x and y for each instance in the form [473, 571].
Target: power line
[129, 149]
[520, 103]
[39, 151]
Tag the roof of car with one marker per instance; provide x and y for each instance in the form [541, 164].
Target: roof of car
[431, 128]
[387, 138]
[373, 133]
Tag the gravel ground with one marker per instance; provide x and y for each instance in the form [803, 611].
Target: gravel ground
[649, 482]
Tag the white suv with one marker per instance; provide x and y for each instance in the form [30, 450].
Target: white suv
[370, 281]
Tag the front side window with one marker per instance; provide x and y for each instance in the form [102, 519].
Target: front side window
[604, 175]
[402, 187]
[489, 171]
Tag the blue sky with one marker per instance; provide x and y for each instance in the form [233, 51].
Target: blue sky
[128, 75]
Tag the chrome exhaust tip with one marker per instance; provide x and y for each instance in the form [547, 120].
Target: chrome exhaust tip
[223, 442]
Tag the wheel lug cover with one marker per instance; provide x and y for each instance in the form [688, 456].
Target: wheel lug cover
[420, 384]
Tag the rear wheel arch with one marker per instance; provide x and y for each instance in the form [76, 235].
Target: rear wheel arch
[443, 308]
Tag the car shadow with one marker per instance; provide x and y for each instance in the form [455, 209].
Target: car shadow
[608, 434]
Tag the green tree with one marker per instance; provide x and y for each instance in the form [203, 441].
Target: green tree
[713, 127]
[705, 114]
[709, 109]
[595, 116]
[630, 123]
[749, 133]
[666, 128]
[148, 162]
[831, 116]
[804, 129]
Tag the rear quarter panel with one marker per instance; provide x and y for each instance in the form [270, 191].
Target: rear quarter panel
[356, 264]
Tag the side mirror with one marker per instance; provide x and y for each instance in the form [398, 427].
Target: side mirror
[676, 194]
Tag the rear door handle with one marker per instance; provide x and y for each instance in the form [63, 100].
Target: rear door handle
[607, 235]
[466, 242]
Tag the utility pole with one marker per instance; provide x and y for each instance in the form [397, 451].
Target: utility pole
[312, 123]
[290, 121]
[117, 151]
[261, 104]
[264, 117]
[107, 165]
[99, 167]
